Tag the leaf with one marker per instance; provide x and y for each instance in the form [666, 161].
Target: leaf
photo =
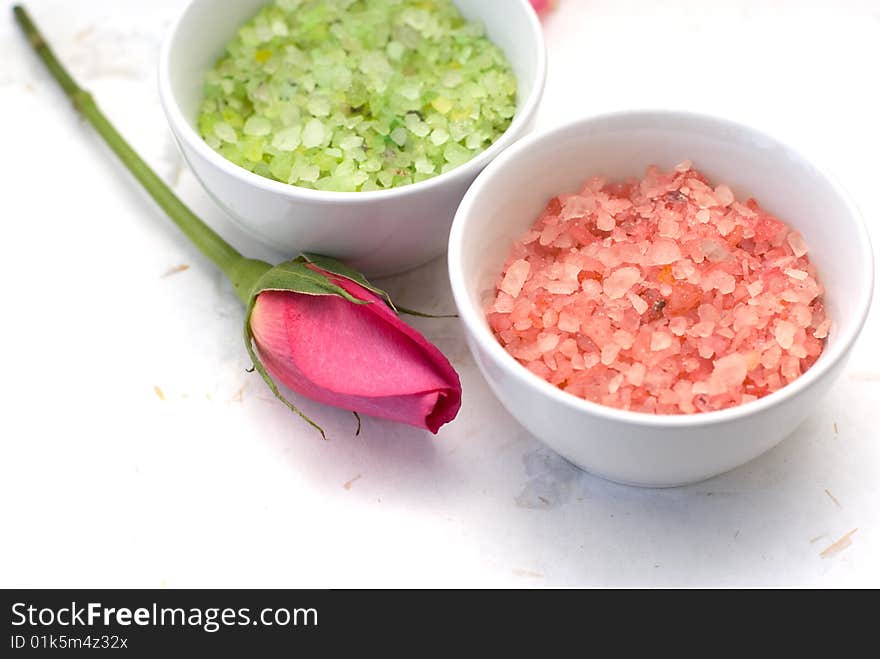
[341, 270]
[295, 276]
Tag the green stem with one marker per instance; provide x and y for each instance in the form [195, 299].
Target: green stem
[243, 272]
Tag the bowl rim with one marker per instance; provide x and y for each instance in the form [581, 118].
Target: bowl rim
[458, 175]
[474, 318]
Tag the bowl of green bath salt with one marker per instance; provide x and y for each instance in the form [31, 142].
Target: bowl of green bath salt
[349, 127]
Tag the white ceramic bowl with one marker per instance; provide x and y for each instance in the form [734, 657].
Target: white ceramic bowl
[630, 447]
[380, 232]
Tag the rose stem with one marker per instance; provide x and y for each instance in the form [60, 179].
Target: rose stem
[241, 271]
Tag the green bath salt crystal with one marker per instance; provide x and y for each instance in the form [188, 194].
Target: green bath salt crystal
[357, 95]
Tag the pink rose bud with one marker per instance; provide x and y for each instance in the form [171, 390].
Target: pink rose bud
[360, 357]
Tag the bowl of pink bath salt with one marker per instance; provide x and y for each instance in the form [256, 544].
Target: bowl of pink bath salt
[659, 296]
[662, 294]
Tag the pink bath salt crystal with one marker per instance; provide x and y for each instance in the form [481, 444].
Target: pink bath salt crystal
[568, 322]
[685, 269]
[718, 279]
[703, 329]
[636, 374]
[660, 341]
[744, 316]
[638, 303]
[790, 367]
[571, 270]
[577, 206]
[663, 252]
[562, 287]
[797, 244]
[550, 233]
[684, 392]
[668, 227]
[724, 195]
[709, 312]
[678, 325]
[753, 360]
[604, 221]
[568, 348]
[614, 384]
[798, 350]
[610, 258]
[614, 205]
[609, 353]
[683, 166]
[799, 275]
[822, 329]
[549, 318]
[801, 315]
[725, 225]
[668, 397]
[522, 310]
[503, 303]
[531, 237]
[700, 388]
[714, 251]
[547, 341]
[591, 288]
[755, 288]
[620, 281]
[743, 210]
[727, 373]
[784, 334]
[516, 276]
[591, 359]
[629, 253]
[624, 339]
[705, 349]
[529, 352]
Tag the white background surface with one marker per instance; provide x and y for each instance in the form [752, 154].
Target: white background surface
[104, 484]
